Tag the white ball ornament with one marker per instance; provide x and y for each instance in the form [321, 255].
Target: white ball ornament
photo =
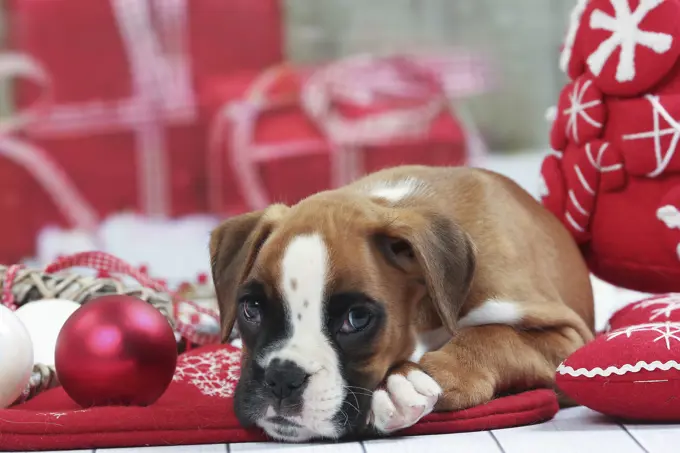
[16, 357]
[43, 320]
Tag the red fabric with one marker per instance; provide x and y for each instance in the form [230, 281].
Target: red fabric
[651, 65]
[96, 76]
[197, 409]
[661, 308]
[629, 228]
[287, 155]
[631, 373]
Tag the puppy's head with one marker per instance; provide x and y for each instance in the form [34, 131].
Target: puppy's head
[327, 295]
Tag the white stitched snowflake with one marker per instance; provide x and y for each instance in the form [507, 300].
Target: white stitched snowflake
[662, 158]
[578, 109]
[669, 215]
[626, 34]
[213, 373]
[667, 331]
[667, 305]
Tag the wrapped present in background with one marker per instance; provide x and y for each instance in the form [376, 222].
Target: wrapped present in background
[285, 133]
[118, 118]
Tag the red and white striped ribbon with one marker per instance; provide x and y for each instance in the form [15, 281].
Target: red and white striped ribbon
[37, 161]
[162, 94]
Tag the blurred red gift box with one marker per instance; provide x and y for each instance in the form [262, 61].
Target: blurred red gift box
[286, 133]
[109, 116]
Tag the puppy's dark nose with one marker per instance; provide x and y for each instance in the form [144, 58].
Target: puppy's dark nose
[284, 378]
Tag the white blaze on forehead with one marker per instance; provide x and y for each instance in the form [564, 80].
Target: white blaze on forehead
[304, 271]
[303, 278]
[396, 190]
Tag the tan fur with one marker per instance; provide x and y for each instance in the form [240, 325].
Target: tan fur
[475, 235]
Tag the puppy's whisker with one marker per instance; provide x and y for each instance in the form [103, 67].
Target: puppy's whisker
[356, 408]
[363, 389]
[292, 406]
[346, 418]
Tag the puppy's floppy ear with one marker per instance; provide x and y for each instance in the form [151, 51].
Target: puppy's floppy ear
[434, 250]
[234, 245]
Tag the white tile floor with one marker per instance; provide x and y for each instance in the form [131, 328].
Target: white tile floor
[573, 430]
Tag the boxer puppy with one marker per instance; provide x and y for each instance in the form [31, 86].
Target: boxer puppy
[410, 290]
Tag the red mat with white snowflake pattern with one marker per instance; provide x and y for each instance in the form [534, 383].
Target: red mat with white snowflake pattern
[197, 409]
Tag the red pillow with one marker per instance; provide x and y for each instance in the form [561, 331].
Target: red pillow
[197, 409]
[660, 308]
[631, 373]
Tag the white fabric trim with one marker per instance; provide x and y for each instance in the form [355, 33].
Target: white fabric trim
[620, 371]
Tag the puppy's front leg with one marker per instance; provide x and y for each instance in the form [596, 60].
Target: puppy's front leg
[408, 394]
[483, 361]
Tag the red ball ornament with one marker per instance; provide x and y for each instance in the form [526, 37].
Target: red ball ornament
[116, 350]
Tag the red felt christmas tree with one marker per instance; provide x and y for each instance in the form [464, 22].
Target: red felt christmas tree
[613, 177]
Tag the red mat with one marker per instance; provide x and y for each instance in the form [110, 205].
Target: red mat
[197, 409]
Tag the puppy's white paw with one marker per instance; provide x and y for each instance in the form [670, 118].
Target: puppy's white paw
[404, 402]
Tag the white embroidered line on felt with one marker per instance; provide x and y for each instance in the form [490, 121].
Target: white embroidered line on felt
[579, 109]
[576, 204]
[658, 110]
[596, 162]
[620, 371]
[626, 34]
[669, 304]
[572, 197]
[667, 331]
[573, 223]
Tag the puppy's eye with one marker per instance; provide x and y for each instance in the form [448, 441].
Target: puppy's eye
[357, 319]
[252, 311]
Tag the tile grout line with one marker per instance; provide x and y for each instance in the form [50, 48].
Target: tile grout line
[635, 439]
[495, 439]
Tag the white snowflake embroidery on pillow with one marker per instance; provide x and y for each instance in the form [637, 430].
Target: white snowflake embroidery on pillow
[626, 34]
[667, 331]
[666, 306]
[213, 373]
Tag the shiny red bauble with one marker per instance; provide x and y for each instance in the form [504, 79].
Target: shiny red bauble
[116, 350]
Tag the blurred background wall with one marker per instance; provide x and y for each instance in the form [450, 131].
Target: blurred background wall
[521, 37]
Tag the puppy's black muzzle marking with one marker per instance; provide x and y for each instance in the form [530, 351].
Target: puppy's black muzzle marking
[285, 380]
